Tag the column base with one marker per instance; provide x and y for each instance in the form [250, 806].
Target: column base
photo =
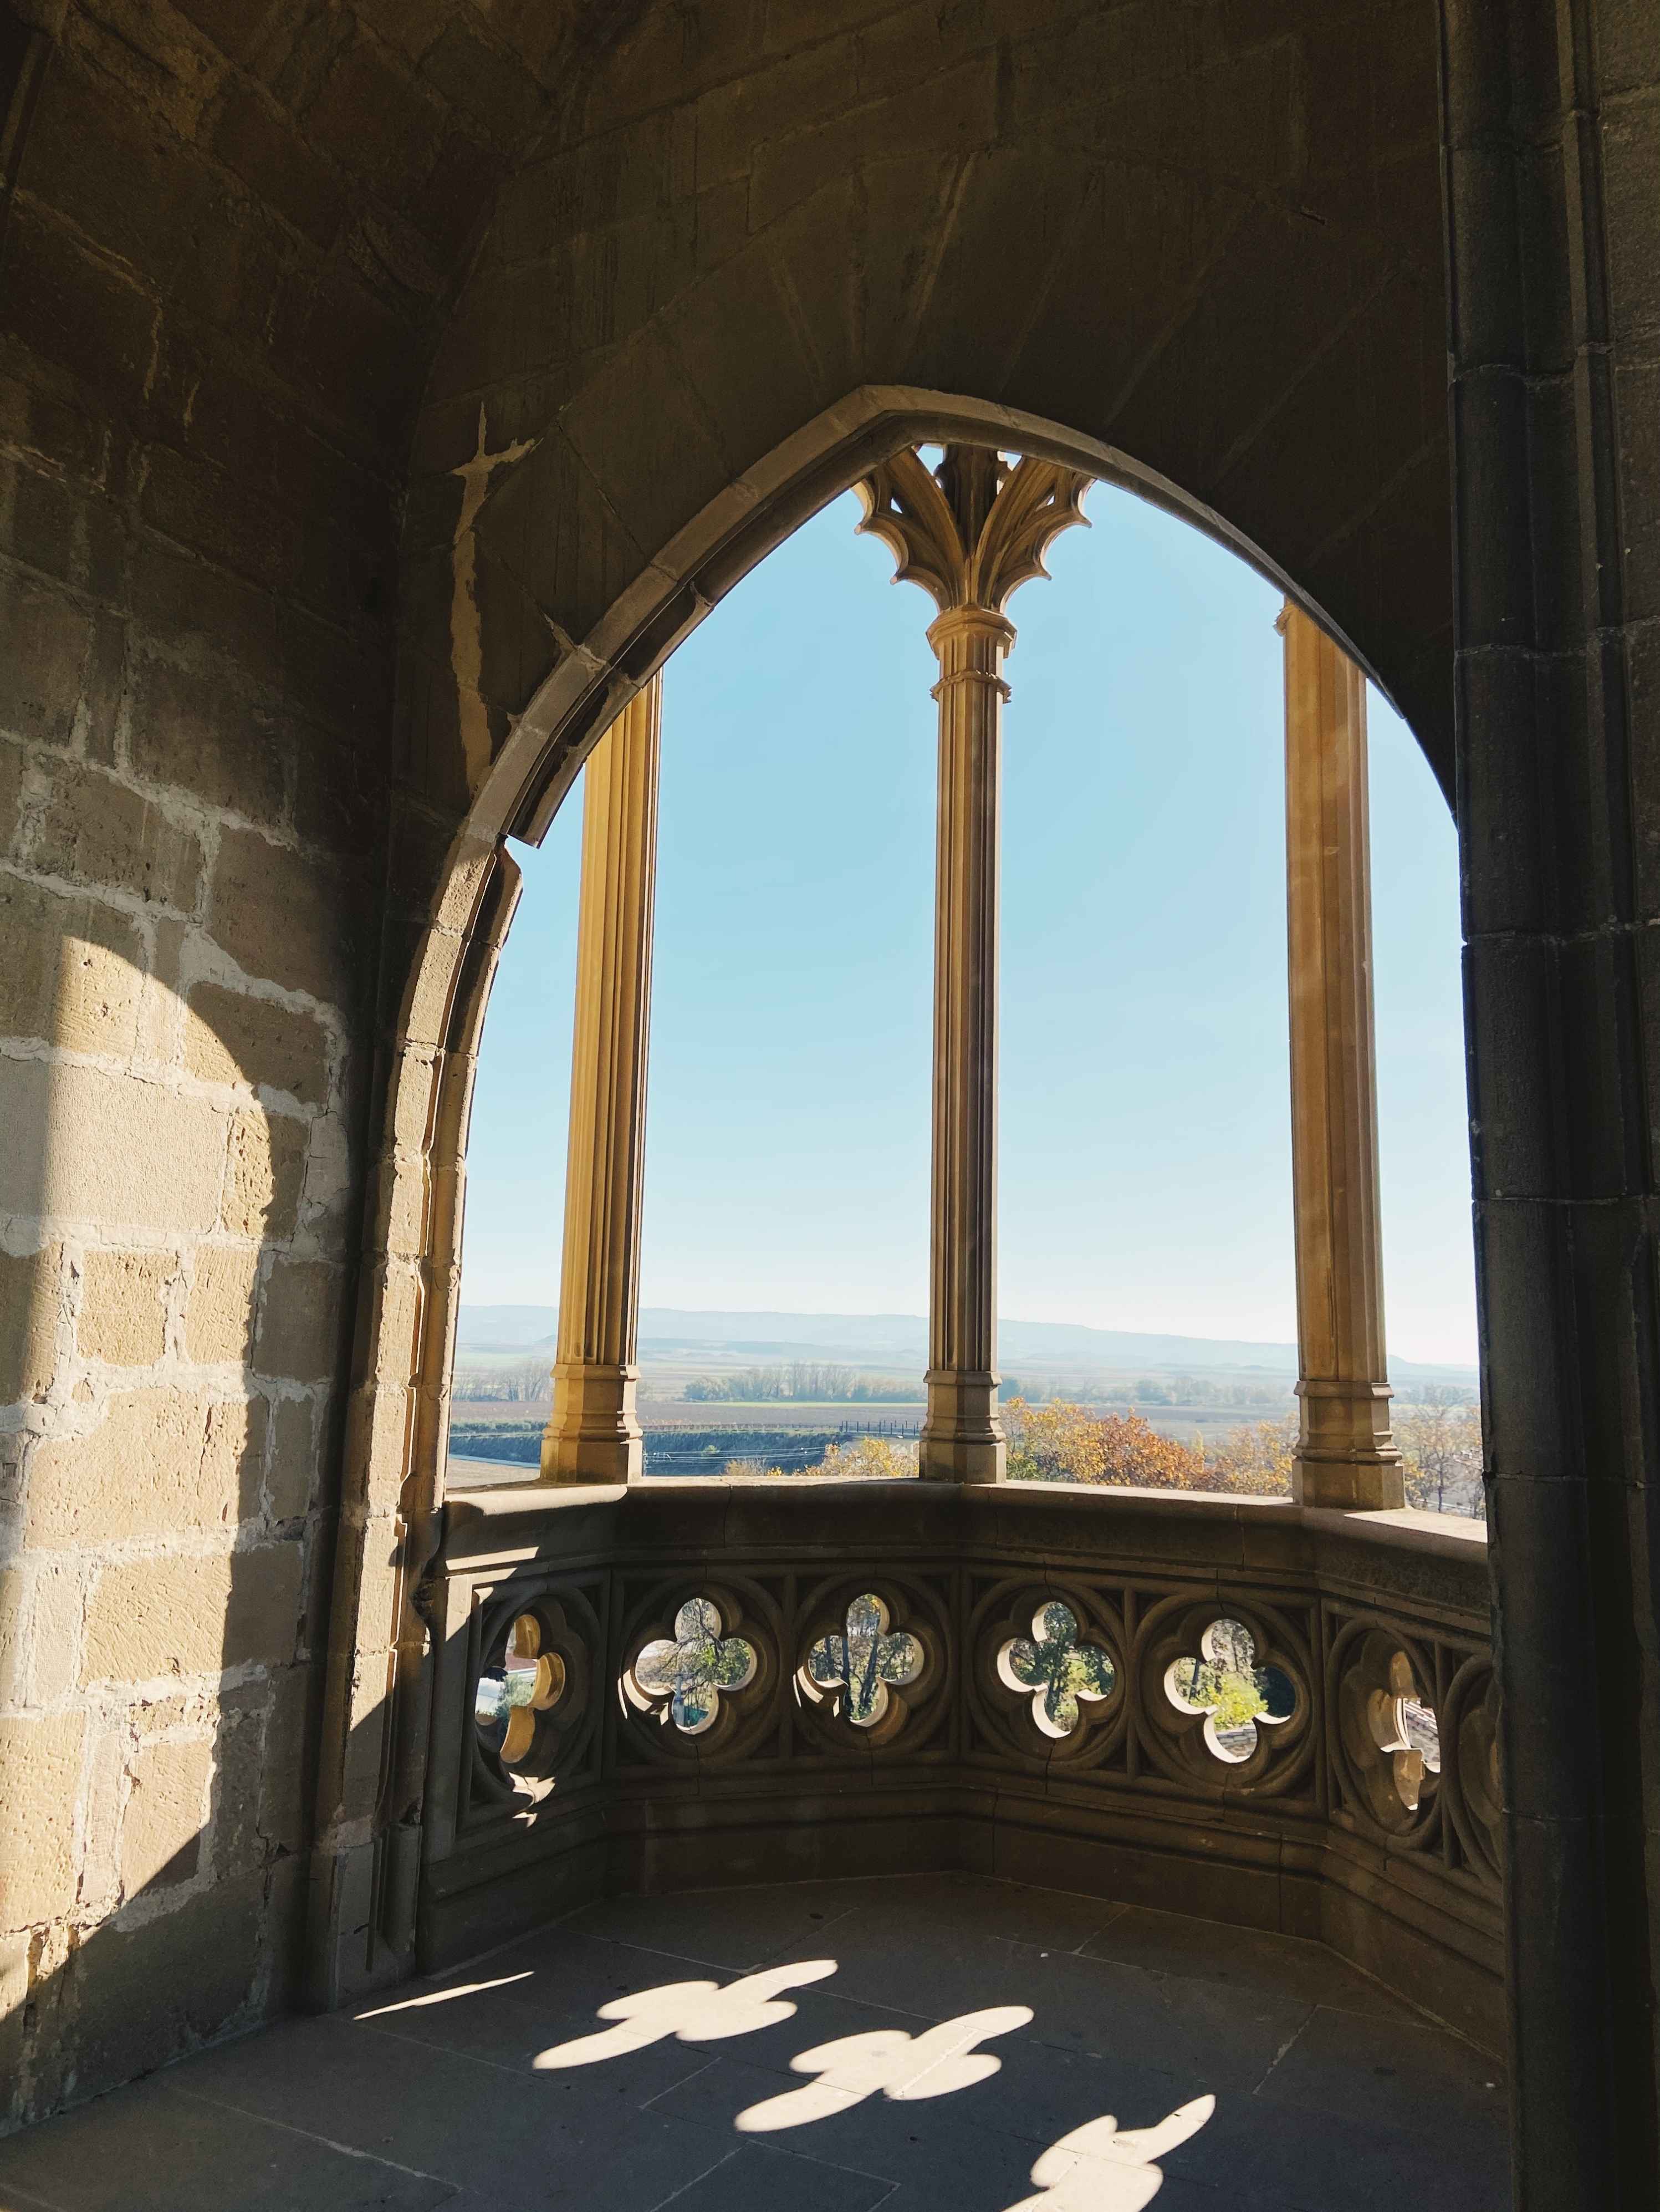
[1346, 1458]
[595, 1434]
[962, 1438]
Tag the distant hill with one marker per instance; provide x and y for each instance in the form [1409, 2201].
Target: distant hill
[668, 1330]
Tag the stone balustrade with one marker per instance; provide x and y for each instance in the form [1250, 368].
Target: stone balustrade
[1264, 1713]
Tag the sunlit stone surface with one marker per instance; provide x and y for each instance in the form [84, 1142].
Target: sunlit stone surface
[926, 2043]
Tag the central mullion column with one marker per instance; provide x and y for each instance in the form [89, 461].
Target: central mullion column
[962, 1438]
[970, 532]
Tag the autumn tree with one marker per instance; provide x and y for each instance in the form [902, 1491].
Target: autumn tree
[1255, 1459]
[877, 1458]
[1440, 1445]
[1063, 1442]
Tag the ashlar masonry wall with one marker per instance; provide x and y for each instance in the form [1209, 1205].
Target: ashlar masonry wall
[228, 236]
[176, 1088]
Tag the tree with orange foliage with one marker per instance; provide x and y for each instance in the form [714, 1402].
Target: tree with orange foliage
[1064, 1443]
[1255, 1461]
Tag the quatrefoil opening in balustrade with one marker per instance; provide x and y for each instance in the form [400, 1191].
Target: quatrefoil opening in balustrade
[1405, 1729]
[859, 1668]
[520, 1682]
[1236, 1695]
[1389, 1733]
[685, 1676]
[1055, 1670]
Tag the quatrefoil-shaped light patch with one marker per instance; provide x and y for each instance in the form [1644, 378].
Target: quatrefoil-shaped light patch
[1235, 1695]
[1055, 1670]
[1405, 1730]
[856, 1669]
[525, 1681]
[688, 1671]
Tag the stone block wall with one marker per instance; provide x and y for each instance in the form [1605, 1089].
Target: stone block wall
[225, 233]
[181, 1099]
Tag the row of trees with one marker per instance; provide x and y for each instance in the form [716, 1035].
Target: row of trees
[802, 1381]
[1197, 1390]
[523, 1383]
[1440, 1446]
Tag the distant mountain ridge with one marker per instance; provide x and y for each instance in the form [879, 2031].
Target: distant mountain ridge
[890, 1336]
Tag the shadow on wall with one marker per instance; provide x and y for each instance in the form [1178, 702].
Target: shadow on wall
[174, 1219]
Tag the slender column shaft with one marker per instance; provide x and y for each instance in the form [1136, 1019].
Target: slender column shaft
[970, 531]
[594, 1433]
[1345, 1456]
[962, 1438]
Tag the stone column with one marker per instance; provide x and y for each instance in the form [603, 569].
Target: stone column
[962, 1438]
[594, 1435]
[968, 531]
[1552, 249]
[1345, 1455]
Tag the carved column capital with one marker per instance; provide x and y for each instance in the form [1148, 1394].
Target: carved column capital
[972, 530]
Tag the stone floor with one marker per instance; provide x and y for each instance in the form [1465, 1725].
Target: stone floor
[937, 2045]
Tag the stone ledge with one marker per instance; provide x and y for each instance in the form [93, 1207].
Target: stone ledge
[511, 1521]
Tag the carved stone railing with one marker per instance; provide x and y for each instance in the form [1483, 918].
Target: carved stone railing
[1257, 1712]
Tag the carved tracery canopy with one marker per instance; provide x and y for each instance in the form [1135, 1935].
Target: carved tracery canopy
[972, 529]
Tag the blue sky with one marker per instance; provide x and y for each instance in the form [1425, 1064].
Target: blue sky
[1145, 1156]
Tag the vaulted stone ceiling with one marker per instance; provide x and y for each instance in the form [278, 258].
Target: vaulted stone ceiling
[1207, 233]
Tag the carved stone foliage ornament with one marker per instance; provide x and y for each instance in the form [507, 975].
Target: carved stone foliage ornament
[685, 1675]
[972, 529]
[857, 1669]
[1055, 1670]
[1236, 1695]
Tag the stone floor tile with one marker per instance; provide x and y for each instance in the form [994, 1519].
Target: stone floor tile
[430, 2097]
[154, 2149]
[1174, 2195]
[1051, 1919]
[981, 2141]
[1395, 2073]
[732, 1928]
[1173, 2024]
[1246, 1958]
[918, 2143]
[576, 2138]
[564, 1969]
[756, 2179]
[1323, 2162]
[490, 2026]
